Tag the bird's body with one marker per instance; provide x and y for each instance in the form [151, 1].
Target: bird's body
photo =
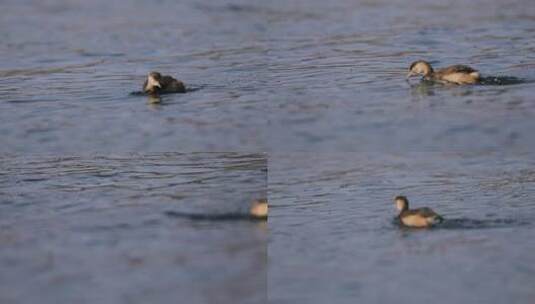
[158, 84]
[259, 209]
[455, 74]
[417, 218]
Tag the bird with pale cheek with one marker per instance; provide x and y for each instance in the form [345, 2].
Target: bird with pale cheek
[259, 209]
[415, 218]
[455, 74]
[156, 84]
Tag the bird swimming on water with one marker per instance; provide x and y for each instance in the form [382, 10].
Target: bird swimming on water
[258, 211]
[259, 208]
[455, 74]
[156, 84]
[417, 218]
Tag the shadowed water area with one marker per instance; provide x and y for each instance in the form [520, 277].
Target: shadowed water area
[94, 229]
[333, 237]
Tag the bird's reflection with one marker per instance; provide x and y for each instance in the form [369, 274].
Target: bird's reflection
[154, 99]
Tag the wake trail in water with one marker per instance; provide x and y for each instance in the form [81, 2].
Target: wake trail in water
[215, 217]
[501, 80]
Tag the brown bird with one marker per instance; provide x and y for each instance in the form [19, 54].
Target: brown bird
[457, 74]
[158, 84]
[418, 218]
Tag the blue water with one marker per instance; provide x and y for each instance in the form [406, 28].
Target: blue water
[94, 229]
[333, 238]
[67, 69]
[322, 78]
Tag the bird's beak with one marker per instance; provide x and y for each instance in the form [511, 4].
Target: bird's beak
[410, 74]
[157, 84]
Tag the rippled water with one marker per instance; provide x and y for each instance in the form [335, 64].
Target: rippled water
[277, 76]
[67, 69]
[333, 238]
[337, 72]
[94, 229]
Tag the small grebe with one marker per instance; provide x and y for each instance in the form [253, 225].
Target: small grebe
[259, 208]
[158, 84]
[419, 218]
[457, 74]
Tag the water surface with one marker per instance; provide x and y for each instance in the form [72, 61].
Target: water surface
[333, 238]
[271, 76]
[67, 69]
[337, 75]
[94, 229]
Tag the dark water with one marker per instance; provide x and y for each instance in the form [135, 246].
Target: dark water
[94, 230]
[333, 239]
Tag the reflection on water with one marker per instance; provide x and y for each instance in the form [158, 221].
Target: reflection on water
[154, 99]
[334, 240]
[93, 229]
